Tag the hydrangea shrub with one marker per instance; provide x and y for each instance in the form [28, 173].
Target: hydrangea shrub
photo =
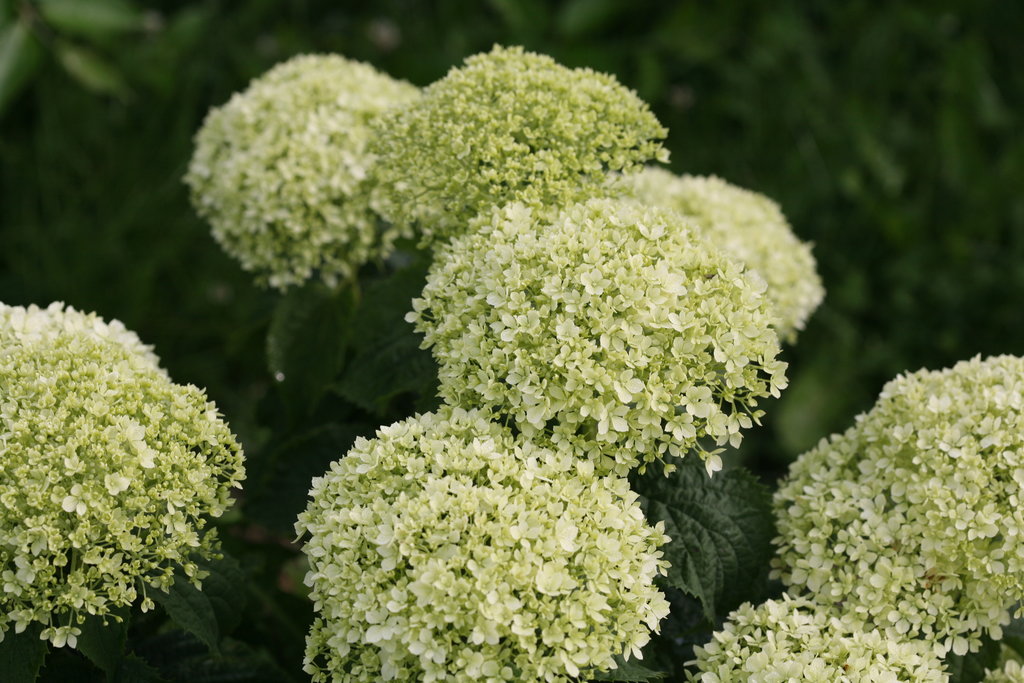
[506, 126]
[282, 171]
[609, 328]
[794, 639]
[748, 226]
[447, 549]
[911, 519]
[109, 471]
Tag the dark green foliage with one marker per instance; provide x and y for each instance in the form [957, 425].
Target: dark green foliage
[720, 528]
[22, 654]
[630, 671]
[970, 668]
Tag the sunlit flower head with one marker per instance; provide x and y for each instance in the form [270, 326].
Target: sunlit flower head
[748, 226]
[610, 328]
[281, 170]
[109, 472]
[508, 125]
[795, 640]
[447, 549]
[912, 518]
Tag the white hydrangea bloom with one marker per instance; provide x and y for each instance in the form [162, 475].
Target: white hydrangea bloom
[281, 170]
[1010, 672]
[912, 518]
[109, 471]
[447, 549]
[748, 226]
[609, 328]
[793, 639]
[508, 125]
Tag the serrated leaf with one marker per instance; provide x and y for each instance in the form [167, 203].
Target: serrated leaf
[19, 58]
[91, 18]
[720, 529]
[629, 670]
[396, 366]
[103, 644]
[389, 362]
[970, 668]
[91, 70]
[211, 612]
[22, 655]
[306, 341]
[134, 669]
[180, 656]
[283, 495]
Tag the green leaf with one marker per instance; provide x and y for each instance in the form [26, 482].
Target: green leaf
[22, 655]
[389, 362]
[396, 367]
[180, 657]
[134, 669]
[19, 59]
[91, 18]
[284, 491]
[583, 17]
[211, 612]
[91, 70]
[970, 668]
[103, 643]
[720, 529]
[629, 670]
[306, 341]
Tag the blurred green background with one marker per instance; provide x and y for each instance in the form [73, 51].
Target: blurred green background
[889, 133]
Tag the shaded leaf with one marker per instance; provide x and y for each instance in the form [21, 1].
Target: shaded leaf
[91, 18]
[134, 669]
[22, 655]
[211, 612]
[19, 58]
[284, 493]
[720, 529]
[629, 670]
[103, 643]
[970, 668]
[91, 70]
[179, 656]
[306, 341]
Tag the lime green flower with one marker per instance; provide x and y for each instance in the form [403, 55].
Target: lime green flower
[109, 471]
[750, 228]
[793, 639]
[281, 170]
[609, 328]
[508, 126]
[912, 518]
[447, 549]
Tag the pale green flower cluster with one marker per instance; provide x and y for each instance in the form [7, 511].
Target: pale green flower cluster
[793, 639]
[447, 549]
[749, 227]
[609, 328]
[281, 170]
[912, 519]
[1010, 672]
[109, 471]
[508, 126]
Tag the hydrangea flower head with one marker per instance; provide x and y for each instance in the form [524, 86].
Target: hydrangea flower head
[748, 226]
[509, 125]
[912, 518]
[792, 639]
[109, 471]
[281, 170]
[447, 549]
[609, 328]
